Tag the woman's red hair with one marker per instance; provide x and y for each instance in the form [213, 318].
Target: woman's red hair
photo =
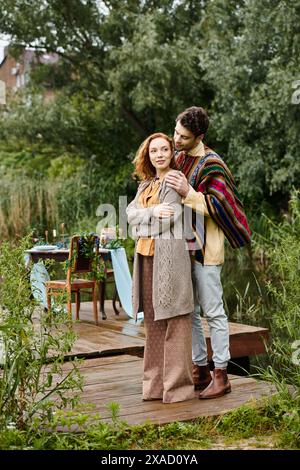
[144, 169]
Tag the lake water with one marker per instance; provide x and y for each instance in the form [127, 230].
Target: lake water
[244, 290]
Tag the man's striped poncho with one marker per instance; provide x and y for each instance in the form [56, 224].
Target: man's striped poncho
[211, 176]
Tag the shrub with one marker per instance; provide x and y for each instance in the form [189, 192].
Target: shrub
[33, 383]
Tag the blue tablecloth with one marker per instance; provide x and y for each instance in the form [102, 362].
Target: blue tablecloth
[38, 277]
[123, 280]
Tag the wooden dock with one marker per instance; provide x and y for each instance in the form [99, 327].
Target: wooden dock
[112, 370]
[119, 379]
[120, 334]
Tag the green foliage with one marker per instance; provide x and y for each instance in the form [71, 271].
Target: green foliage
[283, 250]
[126, 69]
[30, 390]
[252, 56]
[290, 433]
[119, 88]
[266, 423]
[283, 410]
[39, 202]
[282, 245]
[129, 245]
[64, 166]
[146, 85]
[248, 310]
[26, 202]
[244, 422]
[86, 246]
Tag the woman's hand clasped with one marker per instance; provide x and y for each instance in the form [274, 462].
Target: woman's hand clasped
[163, 211]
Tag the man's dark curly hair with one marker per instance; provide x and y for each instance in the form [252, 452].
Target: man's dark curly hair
[194, 119]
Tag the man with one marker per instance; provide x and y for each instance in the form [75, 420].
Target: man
[207, 186]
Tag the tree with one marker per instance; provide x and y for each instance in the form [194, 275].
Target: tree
[257, 48]
[127, 68]
[131, 55]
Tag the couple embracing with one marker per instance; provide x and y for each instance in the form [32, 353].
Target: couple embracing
[176, 278]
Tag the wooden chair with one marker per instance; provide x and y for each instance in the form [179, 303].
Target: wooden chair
[78, 263]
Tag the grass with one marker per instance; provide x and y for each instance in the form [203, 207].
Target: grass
[276, 424]
[248, 427]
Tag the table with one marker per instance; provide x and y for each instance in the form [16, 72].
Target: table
[122, 275]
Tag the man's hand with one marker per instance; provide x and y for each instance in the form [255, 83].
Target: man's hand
[163, 211]
[178, 182]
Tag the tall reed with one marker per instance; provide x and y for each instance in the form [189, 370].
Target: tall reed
[30, 202]
[25, 203]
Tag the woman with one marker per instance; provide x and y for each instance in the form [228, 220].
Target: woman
[162, 285]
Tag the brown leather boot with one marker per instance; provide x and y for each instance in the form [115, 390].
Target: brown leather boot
[201, 377]
[219, 385]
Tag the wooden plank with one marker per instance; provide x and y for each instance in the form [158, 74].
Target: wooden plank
[97, 340]
[120, 334]
[119, 379]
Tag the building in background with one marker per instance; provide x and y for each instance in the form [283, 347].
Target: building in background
[15, 74]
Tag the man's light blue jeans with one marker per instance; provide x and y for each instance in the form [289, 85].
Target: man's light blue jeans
[208, 299]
